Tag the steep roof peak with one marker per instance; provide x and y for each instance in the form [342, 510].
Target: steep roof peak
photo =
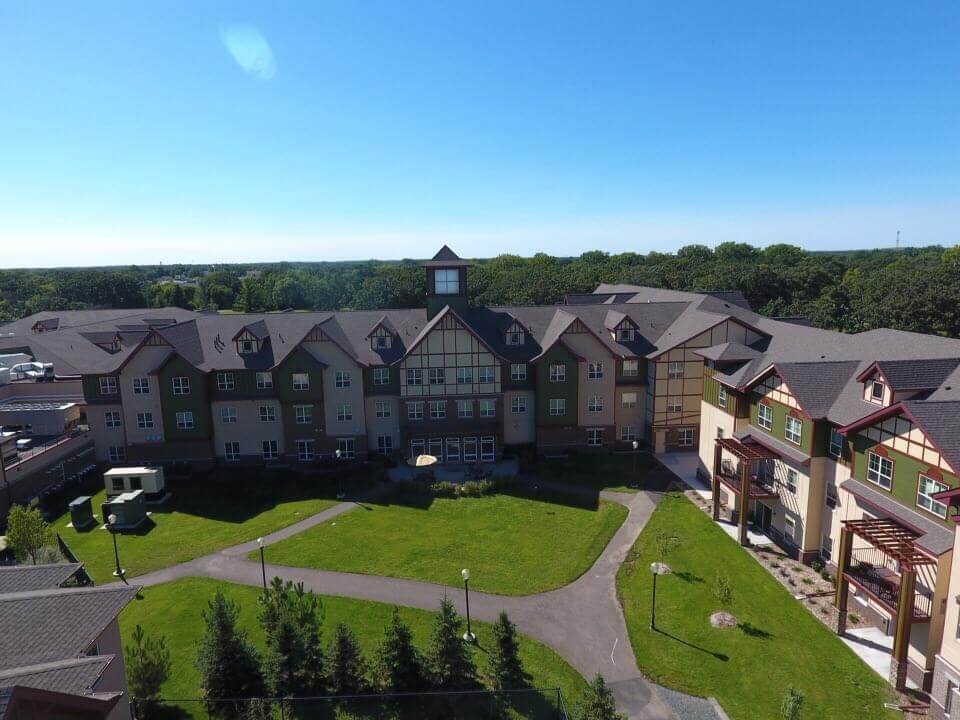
[446, 257]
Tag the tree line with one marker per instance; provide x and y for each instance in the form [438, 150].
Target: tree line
[915, 289]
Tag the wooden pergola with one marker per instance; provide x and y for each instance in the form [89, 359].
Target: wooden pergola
[740, 484]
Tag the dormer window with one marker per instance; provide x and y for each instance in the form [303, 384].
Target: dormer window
[245, 347]
[625, 333]
[515, 335]
[877, 389]
[382, 342]
[446, 282]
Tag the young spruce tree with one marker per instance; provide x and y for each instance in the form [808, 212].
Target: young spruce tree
[292, 620]
[506, 669]
[229, 664]
[597, 703]
[449, 658]
[399, 667]
[347, 667]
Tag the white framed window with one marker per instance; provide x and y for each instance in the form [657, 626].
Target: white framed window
[836, 443]
[435, 447]
[880, 470]
[765, 416]
[488, 408]
[245, 347]
[628, 400]
[685, 437]
[385, 444]
[305, 451]
[382, 342]
[488, 448]
[228, 415]
[108, 386]
[594, 437]
[595, 404]
[790, 528]
[264, 381]
[270, 450]
[674, 403]
[344, 412]
[515, 337]
[518, 372]
[453, 449]
[414, 376]
[464, 375]
[469, 449]
[303, 414]
[111, 419]
[141, 386]
[518, 405]
[464, 408]
[117, 453]
[876, 391]
[446, 282]
[558, 373]
[628, 433]
[383, 408]
[438, 409]
[675, 370]
[722, 398]
[438, 376]
[145, 421]
[185, 420]
[181, 385]
[830, 498]
[792, 478]
[381, 376]
[595, 371]
[347, 448]
[926, 487]
[487, 374]
[625, 333]
[558, 406]
[826, 548]
[342, 379]
[268, 413]
[793, 430]
[417, 447]
[415, 411]
[225, 381]
[631, 368]
[231, 450]
[301, 381]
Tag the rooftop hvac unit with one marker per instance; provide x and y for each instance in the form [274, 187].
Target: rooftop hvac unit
[129, 508]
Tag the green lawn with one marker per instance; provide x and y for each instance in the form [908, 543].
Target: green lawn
[173, 610]
[201, 517]
[514, 543]
[600, 472]
[748, 669]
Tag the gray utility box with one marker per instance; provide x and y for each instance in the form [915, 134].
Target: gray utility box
[130, 509]
[81, 512]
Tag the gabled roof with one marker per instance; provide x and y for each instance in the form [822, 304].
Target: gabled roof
[70, 675]
[24, 578]
[446, 257]
[435, 320]
[258, 329]
[816, 386]
[55, 703]
[728, 352]
[912, 374]
[614, 318]
[383, 322]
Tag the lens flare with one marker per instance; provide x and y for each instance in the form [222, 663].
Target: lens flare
[250, 50]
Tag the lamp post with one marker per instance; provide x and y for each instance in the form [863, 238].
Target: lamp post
[635, 482]
[657, 568]
[340, 493]
[468, 635]
[263, 563]
[112, 522]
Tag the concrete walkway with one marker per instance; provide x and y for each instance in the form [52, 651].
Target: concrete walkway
[582, 621]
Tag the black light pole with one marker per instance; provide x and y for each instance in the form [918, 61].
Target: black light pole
[634, 481]
[657, 568]
[112, 520]
[340, 493]
[6, 483]
[468, 635]
[263, 563]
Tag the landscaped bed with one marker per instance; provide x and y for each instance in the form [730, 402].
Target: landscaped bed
[515, 542]
[749, 668]
[174, 611]
[603, 471]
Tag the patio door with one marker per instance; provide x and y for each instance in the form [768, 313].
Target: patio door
[453, 449]
[762, 516]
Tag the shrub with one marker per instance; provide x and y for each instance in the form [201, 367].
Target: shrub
[853, 618]
[444, 488]
[722, 590]
[816, 565]
[797, 568]
[27, 533]
[825, 575]
[807, 581]
[792, 704]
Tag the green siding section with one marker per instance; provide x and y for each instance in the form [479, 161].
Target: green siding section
[300, 361]
[198, 401]
[393, 388]
[91, 389]
[244, 386]
[640, 378]
[711, 392]
[780, 413]
[515, 384]
[557, 355]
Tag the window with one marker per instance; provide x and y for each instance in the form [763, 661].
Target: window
[145, 421]
[225, 381]
[383, 408]
[270, 451]
[594, 437]
[453, 449]
[438, 376]
[685, 437]
[926, 487]
[790, 528]
[826, 548]
[792, 477]
[301, 381]
[117, 453]
[558, 406]
[108, 386]
[631, 368]
[518, 372]
[347, 448]
[515, 337]
[268, 413]
[345, 412]
[518, 406]
[765, 416]
[488, 409]
[303, 414]
[836, 444]
[141, 386]
[793, 429]
[181, 385]
[595, 404]
[625, 333]
[117, 483]
[876, 391]
[464, 408]
[305, 450]
[558, 373]
[722, 398]
[487, 449]
[416, 448]
[381, 376]
[675, 370]
[628, 400]
[595, 371]
[245, 347]
[464, 375]
[435, 448]
[487, 374]
[438, 409]
[264, 381]
[674, 403]
[415, 376]
[112, 419]
[720, 433]
[385, 444]
[470, 449]
[382, 342]
[880, 470]
[415, 411]
[343, 379]
[446, 282]
[231, 450]
[830, 498]
[185, 420]
[628, 433]
[228, 415]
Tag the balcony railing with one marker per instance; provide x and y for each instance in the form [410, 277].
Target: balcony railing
[873, 571]
[760, 486]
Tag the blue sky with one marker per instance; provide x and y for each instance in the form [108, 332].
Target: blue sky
[129, 132]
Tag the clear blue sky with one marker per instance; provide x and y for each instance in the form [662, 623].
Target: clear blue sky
[235, 131]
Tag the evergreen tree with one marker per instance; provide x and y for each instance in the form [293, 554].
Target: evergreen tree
[292, 620]
[229, 664]
[399, 667]
[148, 667]
[347, 666]
[506, 669]
[597, 703]
[449, 658]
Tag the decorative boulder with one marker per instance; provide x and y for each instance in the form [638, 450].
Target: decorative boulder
[723, 620]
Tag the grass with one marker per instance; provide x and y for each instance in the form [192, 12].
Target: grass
[749, 668]
[173, 611]
[202, 516]
[601, 472]
[514, 543]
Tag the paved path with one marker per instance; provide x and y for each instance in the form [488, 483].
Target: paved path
[582, 621]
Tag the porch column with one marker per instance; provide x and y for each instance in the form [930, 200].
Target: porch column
[714, 482]
[744, 500]
[901, 637]
[843, 587]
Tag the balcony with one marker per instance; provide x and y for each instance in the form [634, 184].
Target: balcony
[759, 486]
[873, 573]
